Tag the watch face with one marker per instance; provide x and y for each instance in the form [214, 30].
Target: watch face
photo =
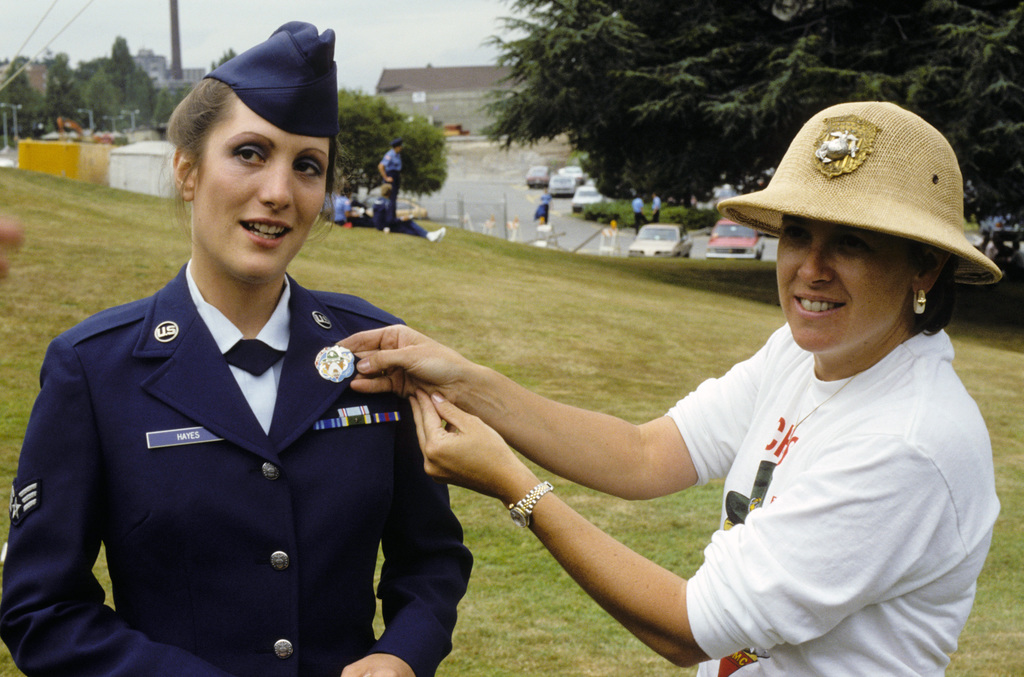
[519, 518]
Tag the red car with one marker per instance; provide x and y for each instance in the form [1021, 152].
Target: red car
[730, 240]
[538, 177]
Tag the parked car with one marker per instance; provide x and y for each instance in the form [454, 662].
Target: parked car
[575, 171]
[586, 195]
[537, 177]
[730, 240]
[661, 240]
[561, 185]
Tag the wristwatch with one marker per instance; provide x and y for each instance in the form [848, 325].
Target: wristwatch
[521, 511]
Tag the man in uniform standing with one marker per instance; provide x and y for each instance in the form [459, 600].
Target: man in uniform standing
[390, 168]
[638, 213]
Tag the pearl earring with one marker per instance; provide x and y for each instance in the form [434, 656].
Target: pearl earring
[919, 302]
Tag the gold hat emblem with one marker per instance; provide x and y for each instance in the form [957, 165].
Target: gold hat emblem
[844, 144]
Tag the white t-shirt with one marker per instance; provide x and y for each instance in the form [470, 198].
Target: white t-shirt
[874, 519]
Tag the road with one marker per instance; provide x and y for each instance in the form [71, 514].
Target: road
[471, 202]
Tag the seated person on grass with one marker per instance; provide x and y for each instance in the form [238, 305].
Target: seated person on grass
[384, 218]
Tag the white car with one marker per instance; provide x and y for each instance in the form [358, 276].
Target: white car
[575, 171]
[561, 185]
[586, 195]
[661, 240]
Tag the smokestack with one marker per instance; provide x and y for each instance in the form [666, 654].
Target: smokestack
[175, 44]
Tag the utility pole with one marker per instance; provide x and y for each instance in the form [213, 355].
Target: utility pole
[92, 128]
[131, 113]
[14, 107]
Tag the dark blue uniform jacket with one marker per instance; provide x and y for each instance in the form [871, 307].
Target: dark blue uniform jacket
[251, 555]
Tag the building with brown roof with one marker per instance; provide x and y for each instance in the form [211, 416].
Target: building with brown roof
[450, 96]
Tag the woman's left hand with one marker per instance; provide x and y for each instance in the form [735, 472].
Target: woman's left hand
[460, 449]
[379, 665]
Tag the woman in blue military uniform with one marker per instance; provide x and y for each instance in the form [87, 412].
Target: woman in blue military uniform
[241, 506]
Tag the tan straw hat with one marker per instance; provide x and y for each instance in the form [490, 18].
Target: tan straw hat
[870, 165]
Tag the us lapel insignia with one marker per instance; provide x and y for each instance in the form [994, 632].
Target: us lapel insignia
[335, 363]
[166, 332]
[322, 320]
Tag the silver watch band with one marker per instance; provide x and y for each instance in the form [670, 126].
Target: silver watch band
[522, 510]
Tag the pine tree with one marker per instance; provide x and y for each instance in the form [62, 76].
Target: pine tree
[678, 97]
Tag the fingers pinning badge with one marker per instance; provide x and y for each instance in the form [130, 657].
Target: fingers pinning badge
[335, 363]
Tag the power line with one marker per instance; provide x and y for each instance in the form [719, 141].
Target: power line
[46, 46]
[41, 20]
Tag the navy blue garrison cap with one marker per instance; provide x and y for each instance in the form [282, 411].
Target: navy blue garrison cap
[290, 80]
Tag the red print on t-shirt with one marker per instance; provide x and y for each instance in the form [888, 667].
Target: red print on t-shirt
[783, 445]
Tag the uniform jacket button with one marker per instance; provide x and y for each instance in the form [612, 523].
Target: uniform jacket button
[283, 648]
[271, 471]
[279, 560]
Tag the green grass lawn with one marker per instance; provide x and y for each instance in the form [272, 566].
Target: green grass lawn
[623, 336]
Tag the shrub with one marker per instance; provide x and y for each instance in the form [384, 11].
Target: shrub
[622, 212]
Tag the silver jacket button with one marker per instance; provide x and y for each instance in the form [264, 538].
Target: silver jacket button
[271, 471]
[283, 648]
[279, 560]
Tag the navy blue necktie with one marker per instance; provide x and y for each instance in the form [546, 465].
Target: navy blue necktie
[253, 355]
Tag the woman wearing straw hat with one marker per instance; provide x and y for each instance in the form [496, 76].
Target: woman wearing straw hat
[207, 437]
[847, 420]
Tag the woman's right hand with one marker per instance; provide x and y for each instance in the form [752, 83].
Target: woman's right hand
[401, 360]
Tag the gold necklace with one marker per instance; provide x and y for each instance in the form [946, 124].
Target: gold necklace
[826, 400]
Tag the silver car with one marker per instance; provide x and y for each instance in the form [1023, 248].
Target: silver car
[661, 240]
[561, 185]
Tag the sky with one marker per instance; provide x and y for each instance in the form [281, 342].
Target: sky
[372, 35]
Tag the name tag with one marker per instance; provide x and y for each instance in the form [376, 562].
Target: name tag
[179, 437]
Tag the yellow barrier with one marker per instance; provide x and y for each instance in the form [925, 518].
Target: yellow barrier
[83, 161]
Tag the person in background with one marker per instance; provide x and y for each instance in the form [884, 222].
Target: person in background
[859, 492]
[638, 213]
[208, 439]
[385, 220]
[655, 208]
[349, 214]
[11, 236]
[543, 213]
[390, 168]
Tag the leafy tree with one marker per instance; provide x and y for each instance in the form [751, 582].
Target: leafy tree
[18, 92]
[109, 85]
[166, 101]
[133, 86]
[224, 58]
[63, 96]
[101, 97]
[678, 97]
[368, 124]
[424, 157]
